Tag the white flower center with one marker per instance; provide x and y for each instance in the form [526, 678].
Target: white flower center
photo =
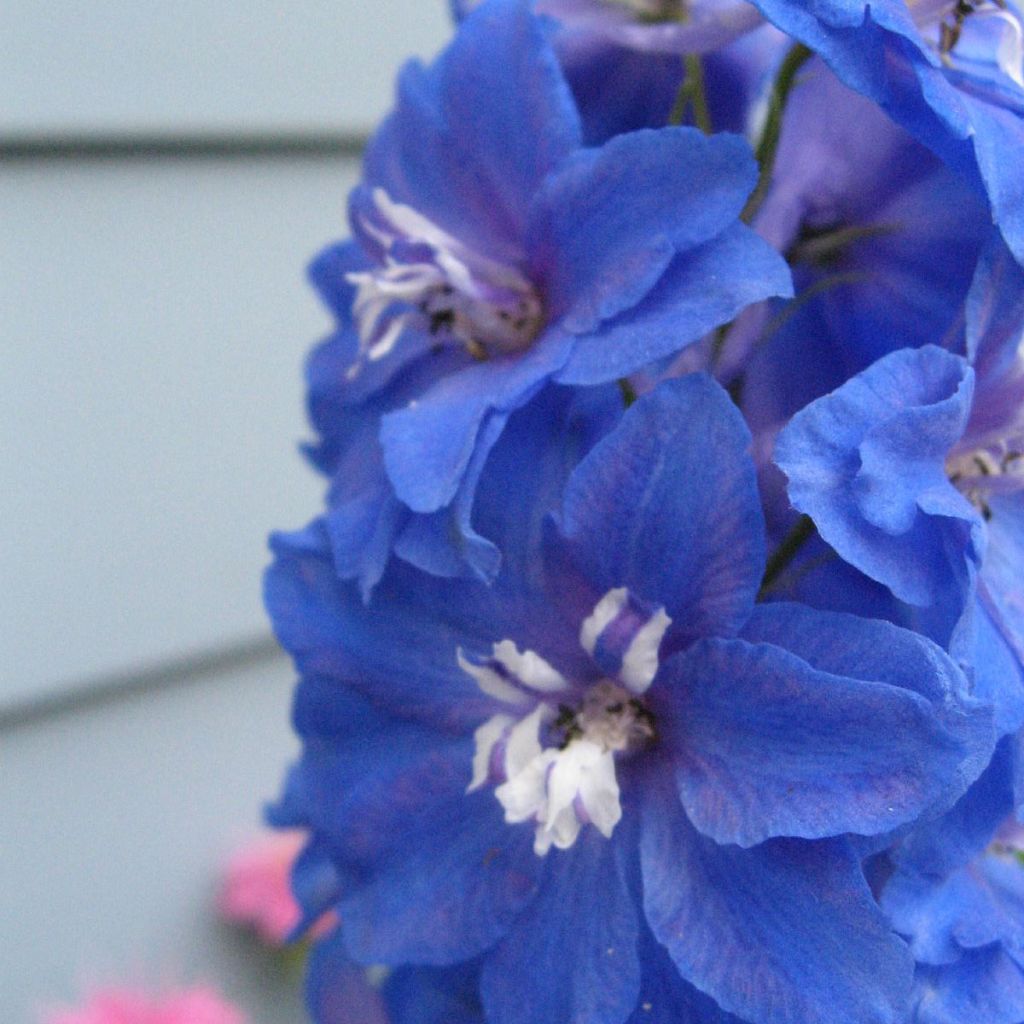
[552, 755]
[431, 280]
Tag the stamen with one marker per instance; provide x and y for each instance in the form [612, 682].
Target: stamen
[431, 280]
[554, 765]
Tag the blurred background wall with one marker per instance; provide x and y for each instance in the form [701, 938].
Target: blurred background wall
[166, 171]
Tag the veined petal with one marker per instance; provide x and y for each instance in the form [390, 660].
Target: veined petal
[784, 933]
[667, 506]
[764, 744]
[573, 957]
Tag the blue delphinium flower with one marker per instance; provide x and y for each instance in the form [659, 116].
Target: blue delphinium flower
[911, 472]
[951, 72]
[493, 253]
[611, 775]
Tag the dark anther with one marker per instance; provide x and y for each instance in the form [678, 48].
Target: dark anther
[615, 709]
[565, 716]
[442, 319]
[982, 466]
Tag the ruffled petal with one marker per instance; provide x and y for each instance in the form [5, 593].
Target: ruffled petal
[867, 464]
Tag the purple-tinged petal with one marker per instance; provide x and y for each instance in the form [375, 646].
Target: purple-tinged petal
[584, 920]
[667, 505]
[765, 743]
[784, 933]
[994, 313]
[473, 136]
[701, 289]
[608, 223]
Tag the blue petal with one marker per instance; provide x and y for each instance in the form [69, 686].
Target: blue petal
[926, 912]
[784, 933]
[994, 311]
[575, 951]
[428, 444]
[997, 666]
[330, 632]
[665, 998]
[444, 542]
[938, 847]
[473, 136]
[983, 985]
[511, 484]
[667, 505]
[766, 743]
[607, 224]
[867, 463]
[337, 991]
[316, 885]
[1002, 590]
[433, 995]
[447, 891]
[327, 273]
[703, 288]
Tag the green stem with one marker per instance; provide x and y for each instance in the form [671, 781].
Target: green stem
[768, 144]
[692, 94]
[628, 392]
[802, 531]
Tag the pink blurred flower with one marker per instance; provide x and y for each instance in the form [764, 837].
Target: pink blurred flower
[256, 889]
[119, 1006]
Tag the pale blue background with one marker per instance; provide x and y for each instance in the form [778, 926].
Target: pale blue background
[153, 320]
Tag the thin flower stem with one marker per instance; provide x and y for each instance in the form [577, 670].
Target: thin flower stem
[768, 144]
[802, 531]
[692, 95]
[628, 392]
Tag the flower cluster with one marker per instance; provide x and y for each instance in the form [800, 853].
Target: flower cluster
[661, 641]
